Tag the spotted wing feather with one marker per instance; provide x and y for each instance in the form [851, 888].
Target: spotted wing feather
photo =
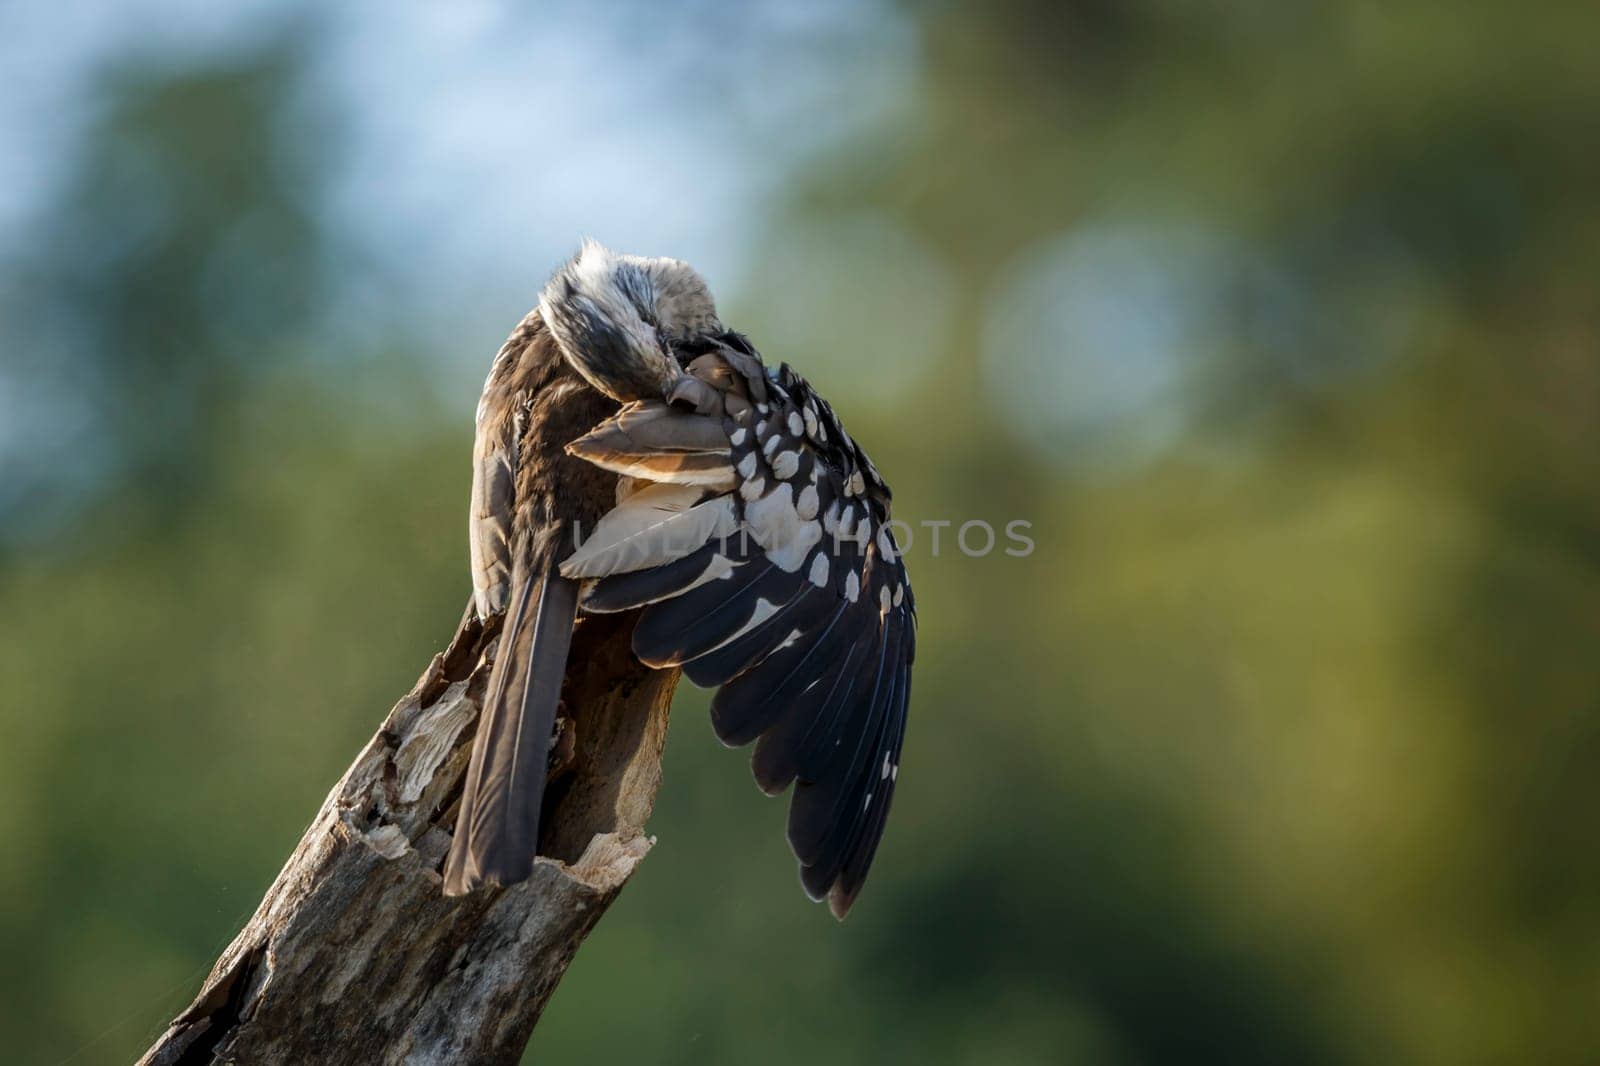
[659, 443]
[799, 609]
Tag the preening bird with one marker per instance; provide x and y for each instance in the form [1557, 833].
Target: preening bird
[633, 454]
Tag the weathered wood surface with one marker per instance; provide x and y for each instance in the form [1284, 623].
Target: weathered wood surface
[354, 956]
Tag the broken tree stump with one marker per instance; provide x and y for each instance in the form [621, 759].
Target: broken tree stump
[355, 956]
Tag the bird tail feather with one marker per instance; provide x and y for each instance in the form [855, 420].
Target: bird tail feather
[497, 831]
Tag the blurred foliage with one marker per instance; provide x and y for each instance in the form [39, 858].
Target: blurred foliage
[1283, 747]
[181, 262]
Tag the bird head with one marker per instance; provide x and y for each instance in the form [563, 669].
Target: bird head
[615, 317]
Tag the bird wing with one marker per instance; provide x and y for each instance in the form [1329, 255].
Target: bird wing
[501, 414]
[761, 556]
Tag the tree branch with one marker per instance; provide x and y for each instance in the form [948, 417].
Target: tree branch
[355, 955]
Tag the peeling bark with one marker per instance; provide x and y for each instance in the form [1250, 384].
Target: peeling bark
[355, 956]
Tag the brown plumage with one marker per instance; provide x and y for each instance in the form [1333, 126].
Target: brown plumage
[529, 498]
[749, 534]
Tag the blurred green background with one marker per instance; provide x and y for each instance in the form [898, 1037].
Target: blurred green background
[1278, 321]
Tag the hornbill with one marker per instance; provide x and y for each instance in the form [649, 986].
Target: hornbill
[633, 454]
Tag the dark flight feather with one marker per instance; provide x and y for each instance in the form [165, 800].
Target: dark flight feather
[794, 621]
[809, 720]
[848, 884]
[824, 801]
[747, 706]
[622, 592]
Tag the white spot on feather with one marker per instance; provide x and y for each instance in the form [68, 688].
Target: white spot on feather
[886, 543]
[739, 436]
[806, 505]
[847, 523]
[764, 610]
[777, 528]
[797, 424]
[785, 464]
[830, 519]
[852, 587]
[819, 570]
[747, 465]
